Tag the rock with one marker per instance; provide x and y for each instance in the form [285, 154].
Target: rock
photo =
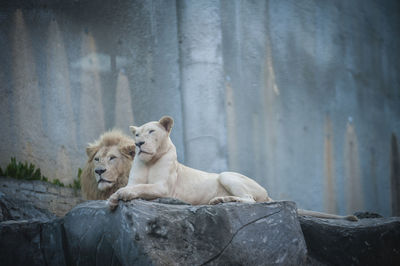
[153, 233]
[365, 215]
[366, 242]
[12, 208]
[142, 233]
[41, 195]
[170, 232]
[31, 242]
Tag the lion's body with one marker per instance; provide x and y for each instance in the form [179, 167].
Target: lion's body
[116, 171]
[156, 173]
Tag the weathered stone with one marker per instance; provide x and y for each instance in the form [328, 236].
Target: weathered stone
[170, 232]
[364, 215]
[43, 195]
[39, 187]
[26, 185]
[9, 183]
[153, 233]
[67, 192]
[366, 242]
[31, 242]
[145, 232]
[54, 190]
[16, 209]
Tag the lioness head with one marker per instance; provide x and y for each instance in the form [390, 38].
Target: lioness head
[151, 138]
[109, 162]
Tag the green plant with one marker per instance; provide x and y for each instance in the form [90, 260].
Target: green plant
[77, 182]
[29, 172]
[57, 182]
[22, 171]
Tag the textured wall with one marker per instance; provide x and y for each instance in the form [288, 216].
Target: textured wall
[303, 96]
[43, 195]
[316, 85]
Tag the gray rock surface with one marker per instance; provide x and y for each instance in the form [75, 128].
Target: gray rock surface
[31, 242]
[42, 195]
[374, 241]
[142, 232]
[145, 233]
[170, 232]
[16, 209]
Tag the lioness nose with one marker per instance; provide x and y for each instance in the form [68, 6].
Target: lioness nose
[100, 171]
[138, 144]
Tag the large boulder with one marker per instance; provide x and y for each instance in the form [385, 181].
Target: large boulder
[142, 233]
[374, 241]
[156, 233]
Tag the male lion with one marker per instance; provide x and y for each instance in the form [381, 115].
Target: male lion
[109, 162]
[156, 173]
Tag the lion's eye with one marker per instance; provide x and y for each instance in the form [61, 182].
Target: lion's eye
[96, 159]
[112, 157]
[137, 135]
[151, 131]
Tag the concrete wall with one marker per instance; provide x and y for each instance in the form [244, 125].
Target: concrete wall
[303, 96]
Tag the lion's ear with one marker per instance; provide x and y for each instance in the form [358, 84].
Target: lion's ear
[128, 150]
[91, 151]
[167, 122]
[133, 129]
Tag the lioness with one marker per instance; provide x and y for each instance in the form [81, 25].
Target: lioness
[156, 173]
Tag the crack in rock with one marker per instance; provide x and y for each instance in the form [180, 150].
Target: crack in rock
[234, 235]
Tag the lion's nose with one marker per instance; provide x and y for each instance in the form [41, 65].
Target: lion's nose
[140, 143]
[100, 171]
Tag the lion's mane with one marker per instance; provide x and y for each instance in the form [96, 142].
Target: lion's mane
[114, 137]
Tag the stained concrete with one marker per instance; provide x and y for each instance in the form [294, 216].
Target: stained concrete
[302, 96]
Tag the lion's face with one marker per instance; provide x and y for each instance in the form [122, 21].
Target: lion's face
[150, 139]
[109, 165]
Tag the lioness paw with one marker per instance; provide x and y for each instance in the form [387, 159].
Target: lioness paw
[112, 203]
[127, 195]
[216, 200]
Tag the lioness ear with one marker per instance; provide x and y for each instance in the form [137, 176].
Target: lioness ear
[91, 151]
[167, 122]
[133, 129]
[128, 150]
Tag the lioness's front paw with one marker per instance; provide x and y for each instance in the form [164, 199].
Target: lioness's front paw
[112, 202]
[126, 194]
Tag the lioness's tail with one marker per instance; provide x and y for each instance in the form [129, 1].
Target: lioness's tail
[319, 214]
[326, 215]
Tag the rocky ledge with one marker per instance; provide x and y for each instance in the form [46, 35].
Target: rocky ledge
[168, 232]
[371, 241]
[156, 233]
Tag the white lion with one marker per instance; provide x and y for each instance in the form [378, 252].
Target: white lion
[156, 173]
[108, 166]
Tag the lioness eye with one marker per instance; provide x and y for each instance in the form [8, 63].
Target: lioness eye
[151, 131]
[137, 135]
[96, 159]
[112, 158]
